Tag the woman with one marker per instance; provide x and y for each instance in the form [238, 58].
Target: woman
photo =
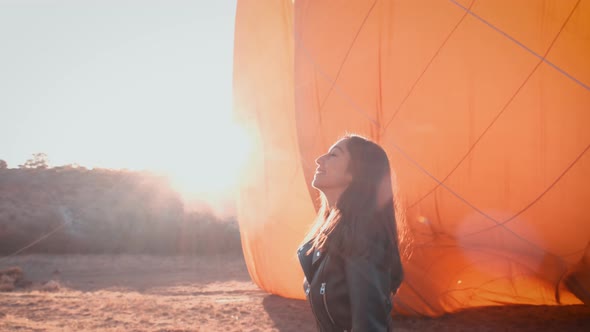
[351, 258]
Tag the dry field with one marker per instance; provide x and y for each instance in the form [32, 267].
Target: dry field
[148, 293]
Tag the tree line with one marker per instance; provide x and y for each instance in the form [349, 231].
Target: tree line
[102, 211]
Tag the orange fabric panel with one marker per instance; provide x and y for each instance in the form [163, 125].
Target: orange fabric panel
[483, 107]
[273, 205]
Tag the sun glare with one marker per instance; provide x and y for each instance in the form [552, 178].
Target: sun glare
[211, 163]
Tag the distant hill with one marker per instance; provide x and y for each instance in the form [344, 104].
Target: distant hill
[104, 211]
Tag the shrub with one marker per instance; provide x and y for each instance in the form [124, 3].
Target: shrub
[104, 212]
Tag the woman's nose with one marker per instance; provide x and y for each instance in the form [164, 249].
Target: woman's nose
[319, 160]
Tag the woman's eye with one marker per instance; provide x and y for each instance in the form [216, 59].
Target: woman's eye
[332, 155]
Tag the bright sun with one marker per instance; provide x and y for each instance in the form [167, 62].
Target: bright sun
[211, 163]
[203, 153]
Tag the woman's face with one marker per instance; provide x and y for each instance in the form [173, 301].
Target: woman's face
[332, 171]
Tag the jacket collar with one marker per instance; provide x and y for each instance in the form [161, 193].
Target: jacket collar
[309, 262]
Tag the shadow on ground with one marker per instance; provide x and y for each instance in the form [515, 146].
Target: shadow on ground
[289, 315]
[503, 318]
[295, 315]
[130, 272]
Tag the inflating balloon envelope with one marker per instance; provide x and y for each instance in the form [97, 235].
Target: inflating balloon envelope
[484, 109]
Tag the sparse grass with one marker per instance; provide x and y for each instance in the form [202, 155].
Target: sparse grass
[208, 293]
[141, 293]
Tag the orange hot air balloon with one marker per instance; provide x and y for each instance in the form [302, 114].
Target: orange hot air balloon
[484, 109]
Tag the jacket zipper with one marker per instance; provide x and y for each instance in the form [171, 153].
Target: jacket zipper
[323, 292]
[310, 291]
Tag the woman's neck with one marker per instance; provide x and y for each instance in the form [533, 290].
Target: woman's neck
[332, 197]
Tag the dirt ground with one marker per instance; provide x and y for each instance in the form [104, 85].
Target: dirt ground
[148, 293]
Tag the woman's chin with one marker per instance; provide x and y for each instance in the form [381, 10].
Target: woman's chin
[316, 184]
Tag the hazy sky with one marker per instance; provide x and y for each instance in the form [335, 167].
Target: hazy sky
[118, 84]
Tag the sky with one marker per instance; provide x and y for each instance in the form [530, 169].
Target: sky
[120, 84]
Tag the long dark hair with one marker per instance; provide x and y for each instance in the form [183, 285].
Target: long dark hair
[364, 210]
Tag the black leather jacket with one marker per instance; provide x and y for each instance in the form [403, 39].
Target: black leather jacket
[351, 293]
